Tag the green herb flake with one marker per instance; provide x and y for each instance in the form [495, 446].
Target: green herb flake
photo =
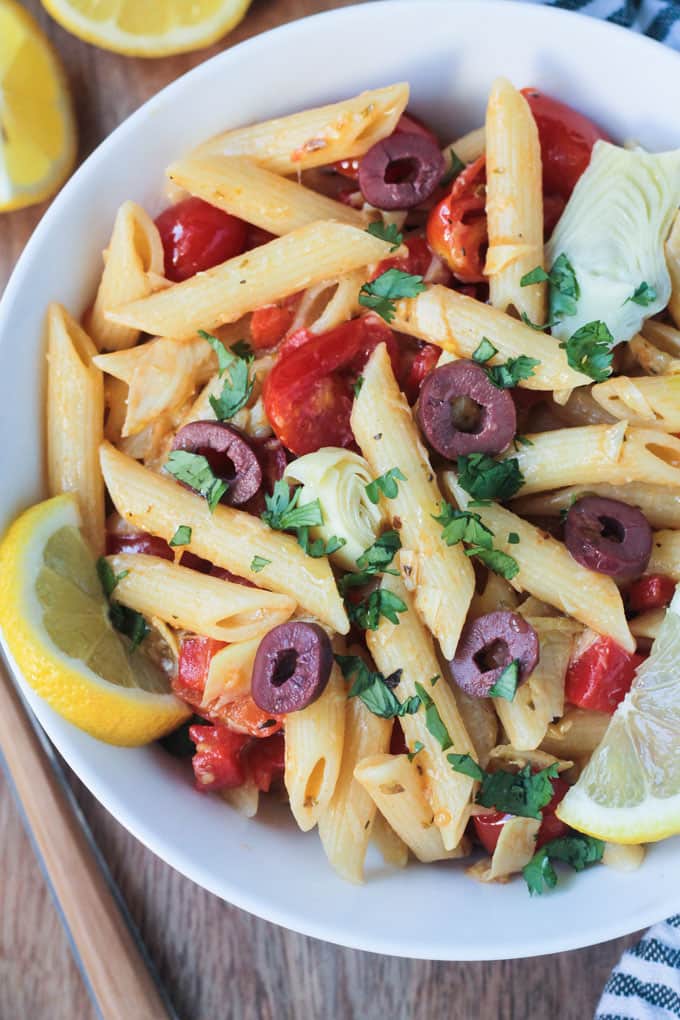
[385, 484]
[589, 350]
[381, 295]
[485, 478]
[433, 720]
[107, 578]
[463, 526]
[484, 352]
[417, 748]
[318, 547]
[523, 793]
[258, 563]
[577, 850]
[381, 602]
[374, 689]
[512, 372]
[194, 470]
[242, 349]
[182, 536]
[386, 232]
[513, 538]
[643, 295]
[283, 512]
[357, 385]
[564, 289]
[466, 765]
[495, 560]
[506, 685]
[235, 391]
[456, 167]
[126, 621]
[379, 555]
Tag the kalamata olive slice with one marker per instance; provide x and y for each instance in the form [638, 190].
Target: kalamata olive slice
[460, 411]
[400, 171]
[292, 667]
[489, 644]
[229, 454]
[608, 536]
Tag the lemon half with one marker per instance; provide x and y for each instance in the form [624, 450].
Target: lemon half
[54, 618]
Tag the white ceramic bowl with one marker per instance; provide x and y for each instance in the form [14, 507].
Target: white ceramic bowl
[450, 54]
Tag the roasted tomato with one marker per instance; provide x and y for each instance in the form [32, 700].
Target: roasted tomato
[420, 261]
[456, 227]
[244, 716]
[601, 677]
[269, 324]
[192, 670]
[197, 236]
[489, 826]
[217, 760]
[652, 592]
[265, 760]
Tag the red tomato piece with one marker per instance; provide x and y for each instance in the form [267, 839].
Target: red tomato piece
[265, 760]
[217, 761]
[652, 592]
[195, 654]
[244, 716]
[308, 393]
[420, 261]
[567, 139]
[412, 376]
[601, 677]
[456, 227]
[269, 324]
[197, 236]
[407, 124]
[489, 826]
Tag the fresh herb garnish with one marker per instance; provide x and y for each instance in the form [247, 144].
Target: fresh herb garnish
[126, 621]
[589, 350]
[485, 478]
[506, 685]
[382, 294]
[357, 385]
[242, 349]
[387, 484]
[463, 526]
[283, 512]
[258, 563]
[513, 538]
[564, 288]
[577, 850]
[456, 167]
[378, 556]
[194, 470]
[237, 386]
[318, 547]
[484, 352]
[539, 327]
[107, 578]
[381, 602]
[386, 232]
[417, 748]
[496, 560]
[374, 689]
[181, 537]
[510, 373]
[466, 765]
[643, 295]
[522, 440]
[523, 793]
[433, 720]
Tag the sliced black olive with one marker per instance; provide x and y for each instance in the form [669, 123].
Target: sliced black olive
[414, 159]
[487, 646]
[461, 412]
[229, 454]
[292, 667]
[608, 536]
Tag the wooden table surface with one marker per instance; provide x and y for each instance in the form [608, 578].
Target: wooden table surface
[217, 961]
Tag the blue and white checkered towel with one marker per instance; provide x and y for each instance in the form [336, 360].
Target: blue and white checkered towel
[645, 985]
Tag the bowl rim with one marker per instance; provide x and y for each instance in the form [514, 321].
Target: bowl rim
[599, 930]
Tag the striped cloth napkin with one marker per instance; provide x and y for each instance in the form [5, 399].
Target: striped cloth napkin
[645, 985]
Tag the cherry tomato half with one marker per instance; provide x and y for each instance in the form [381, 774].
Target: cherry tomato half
[652, 592]
[567, 139]
[407, 124]
[488, 826]
[224, 760]
[269, 324]
[601, 677]
[265, 760]
[308, 393]
[197, 236]
[456, 227]
[195, 654]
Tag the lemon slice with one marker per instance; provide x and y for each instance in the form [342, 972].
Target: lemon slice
[37, 127]
[148, 28]
[54, 619]
[630, 790]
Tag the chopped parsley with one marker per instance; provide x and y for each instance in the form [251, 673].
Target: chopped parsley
[237, 386]
[386, 232]
[181, 537]
[283, 512]
[242, 349]
[463, 526]
[485, 478]
[126, 621]
[374, 689]
[589, 350]
[577, 850]
[379, 555]
[522, 793]
[484, 352]
[387, 484]
[509, 374]
[194, 470]
[564, 288]
[456, 167]
[506, 685]
[318, 547]
[513, 538]
[433, 720]
[107, 578]
[382, 294]
[417, 748]
[496, 560]
[466, 765]
[357, 385]
[258, 563]
[643, 295]
[381, 602]
[522, 440]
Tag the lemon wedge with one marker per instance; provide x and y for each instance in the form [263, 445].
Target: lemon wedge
[55, 622]
[37, 127]
[630, 790]
[142, 28]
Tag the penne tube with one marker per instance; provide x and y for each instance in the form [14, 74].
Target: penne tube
[648, 402]
[468, 147]
[408, 647]
[458, 324]
[659, 503]
[330, 303]
[205, 605]
[598, 453]
[271, 202]
[651, 359]
[441, 576]
[395, 786]
[665, 558]
[345, 822]
[133, 269]
[480, 721]
[515, 847]
[663, 336]
[550, 573]
[647, 625]
[514, 202]
[576, 734]
[393, 850]
[673, 263]
[230, 673]
[315, 137]
[286, 265]
[228, 538]
[75, 420]
[314, 743]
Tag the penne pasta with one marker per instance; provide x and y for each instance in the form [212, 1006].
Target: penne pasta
[577, 733]
[480, 721]
[75, 420]
[659, 503]
[258, 196]
[316, 137]
[514, 203]
[408, 647]
[651, 359]
[515, 847]
[314, 749]
[133, 269]
[228, 538]
[673, 263]
[393, 850]
[663, 336]
[441, 575]
[329, 304]
[345, 823]
[652, 403]
[229, 673]
[458, 324]
[665, 558]
[647, 625]
[286, 265]
[395, 786]
[468, 147]
[550, 573]
[196, 602]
